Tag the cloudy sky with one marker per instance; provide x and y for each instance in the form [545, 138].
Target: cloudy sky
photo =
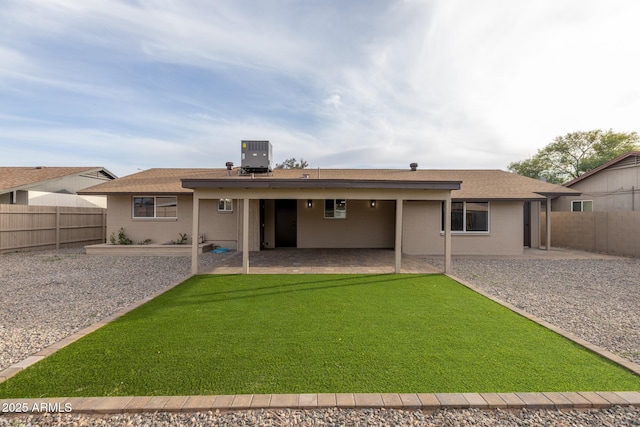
[136, 84]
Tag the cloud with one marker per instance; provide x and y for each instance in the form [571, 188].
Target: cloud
[365, 84]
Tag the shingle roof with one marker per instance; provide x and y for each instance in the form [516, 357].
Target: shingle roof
[17, 178]
[476, 184]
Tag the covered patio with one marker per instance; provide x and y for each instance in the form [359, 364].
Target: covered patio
[250, 191]
[316, 261]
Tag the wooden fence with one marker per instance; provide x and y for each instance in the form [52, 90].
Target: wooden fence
[615, 233]
[48, 227]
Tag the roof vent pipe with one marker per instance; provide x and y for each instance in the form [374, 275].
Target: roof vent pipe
[413, 166]
[229, 166]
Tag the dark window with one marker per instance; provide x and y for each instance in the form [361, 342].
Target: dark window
[335, 208]
[155, 207]
[467, 216]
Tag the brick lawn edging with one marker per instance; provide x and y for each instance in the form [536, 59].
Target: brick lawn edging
[408, 401]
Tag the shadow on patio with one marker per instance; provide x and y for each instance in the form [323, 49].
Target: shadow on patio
[315, 261]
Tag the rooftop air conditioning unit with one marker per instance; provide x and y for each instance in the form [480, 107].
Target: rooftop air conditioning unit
[256, 156]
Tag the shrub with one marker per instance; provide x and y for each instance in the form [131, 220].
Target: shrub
[182, 240]
[121, 239]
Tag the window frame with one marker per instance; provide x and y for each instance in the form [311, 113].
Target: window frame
[155, 208]
[227, 204]
[465, 218]
[582, 202]
[335, 209]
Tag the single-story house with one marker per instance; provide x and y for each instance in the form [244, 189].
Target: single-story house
[613, 186]
[430, 212]
[51, 186]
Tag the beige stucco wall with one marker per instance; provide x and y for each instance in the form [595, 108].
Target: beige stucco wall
[422, 236]
[364, 227]
[119, 214]
[220, 228]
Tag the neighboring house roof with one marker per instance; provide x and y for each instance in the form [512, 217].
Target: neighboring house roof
[475, 184]
[630, 158]
[25, 178]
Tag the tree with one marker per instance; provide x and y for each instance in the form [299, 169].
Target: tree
[292, 163]
[573, 154]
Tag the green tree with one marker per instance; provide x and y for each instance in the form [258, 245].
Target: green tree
[573, 154]
[292, 163]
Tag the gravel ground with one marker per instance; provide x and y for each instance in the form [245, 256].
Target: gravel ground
[47, 295]
[616, 416]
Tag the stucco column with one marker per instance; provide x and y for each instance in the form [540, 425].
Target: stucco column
[548, 221]
[245, 236]
[195, 232]
[398, 246]
[447, 235]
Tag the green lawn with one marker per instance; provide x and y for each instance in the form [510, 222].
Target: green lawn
[318, 333]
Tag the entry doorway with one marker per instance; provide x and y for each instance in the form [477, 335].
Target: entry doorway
[527, 224]
[286, 223]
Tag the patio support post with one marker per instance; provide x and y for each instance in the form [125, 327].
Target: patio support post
[548, 221]
[398, 246]
[195, 232]
[245, 236]
[447, 235]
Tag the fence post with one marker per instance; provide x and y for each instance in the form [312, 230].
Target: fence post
[57, 227]
[104, 226]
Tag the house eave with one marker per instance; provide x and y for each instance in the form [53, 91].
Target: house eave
[318, 183]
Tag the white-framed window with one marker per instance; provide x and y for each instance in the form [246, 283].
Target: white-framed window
[225, 205]
[335, 209]
[467, 217]
[155, 207]
[581, 205]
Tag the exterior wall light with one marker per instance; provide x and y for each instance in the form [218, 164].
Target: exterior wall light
[372, 204]
[309, 203]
